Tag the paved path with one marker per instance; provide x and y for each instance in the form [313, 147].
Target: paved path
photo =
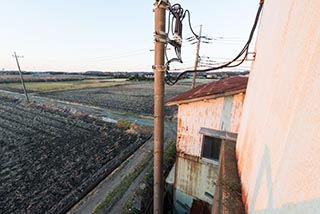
[88, 203]
[170, 135]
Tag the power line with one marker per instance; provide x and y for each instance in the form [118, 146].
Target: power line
[229, 64]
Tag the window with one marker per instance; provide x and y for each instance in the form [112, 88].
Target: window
[212, 140]
[211, 148]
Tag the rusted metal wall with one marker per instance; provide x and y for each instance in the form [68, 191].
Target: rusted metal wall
[279, 140]
[194, 176]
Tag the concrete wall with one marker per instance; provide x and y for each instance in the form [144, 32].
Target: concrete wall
[278, 146]
[222, 114]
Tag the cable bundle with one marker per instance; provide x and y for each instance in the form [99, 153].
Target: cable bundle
[176, 10]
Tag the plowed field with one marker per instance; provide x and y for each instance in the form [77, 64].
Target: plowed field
[49, 157]
[135, 98]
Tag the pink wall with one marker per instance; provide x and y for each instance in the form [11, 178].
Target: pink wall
[278, 146]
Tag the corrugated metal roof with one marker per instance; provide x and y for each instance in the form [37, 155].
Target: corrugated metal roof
[224, 87]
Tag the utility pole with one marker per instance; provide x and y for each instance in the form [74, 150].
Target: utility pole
[21, 77]
[159, 69]
[197, 60]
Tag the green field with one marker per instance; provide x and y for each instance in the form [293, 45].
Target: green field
[57, 86]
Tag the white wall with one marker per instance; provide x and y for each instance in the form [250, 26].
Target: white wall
[278, 146]
[194, 176]
[222, 114]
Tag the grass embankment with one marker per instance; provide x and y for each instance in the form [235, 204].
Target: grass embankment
[147, 193]
[112, 197]
[60, 86]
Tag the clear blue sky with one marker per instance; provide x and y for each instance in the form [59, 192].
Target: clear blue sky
[80, 35]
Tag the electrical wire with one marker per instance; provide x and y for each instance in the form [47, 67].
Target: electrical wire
[177, 12]
[244, 50]
[178, 15]
[189, 21]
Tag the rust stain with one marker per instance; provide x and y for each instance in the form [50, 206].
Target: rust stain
[199, 206]
[189, 176]
[188, 157]
[245, 142]
[176, 172]
[244, 198]
[217, 87]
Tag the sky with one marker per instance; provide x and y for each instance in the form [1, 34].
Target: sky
[82, 35]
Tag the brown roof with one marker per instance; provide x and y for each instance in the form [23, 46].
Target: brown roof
[221, 88]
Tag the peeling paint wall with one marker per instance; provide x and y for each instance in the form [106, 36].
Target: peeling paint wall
[222, 114]
[279, 139]
[194, 176]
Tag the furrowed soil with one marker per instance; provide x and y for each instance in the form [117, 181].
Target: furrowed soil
[136, 98]
[50, 157]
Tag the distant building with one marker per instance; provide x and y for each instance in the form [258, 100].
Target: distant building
[208, 116]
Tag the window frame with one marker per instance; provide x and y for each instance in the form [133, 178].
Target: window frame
[218, 134]
[206, 159]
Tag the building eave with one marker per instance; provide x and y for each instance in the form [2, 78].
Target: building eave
[214, 96]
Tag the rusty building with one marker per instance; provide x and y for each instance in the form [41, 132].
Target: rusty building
[208, 115]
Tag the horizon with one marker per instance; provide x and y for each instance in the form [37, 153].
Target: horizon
[80, 35]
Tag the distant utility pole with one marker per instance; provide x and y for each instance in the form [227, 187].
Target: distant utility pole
[159, 70]
[21, 77]
[197, 60]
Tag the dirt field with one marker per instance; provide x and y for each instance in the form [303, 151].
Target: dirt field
[51, 156]
[132, 97]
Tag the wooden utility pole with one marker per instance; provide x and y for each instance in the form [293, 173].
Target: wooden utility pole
[197, 60]
[159, 69]
[21, 77]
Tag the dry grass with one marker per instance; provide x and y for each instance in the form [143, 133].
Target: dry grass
[60, 86]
